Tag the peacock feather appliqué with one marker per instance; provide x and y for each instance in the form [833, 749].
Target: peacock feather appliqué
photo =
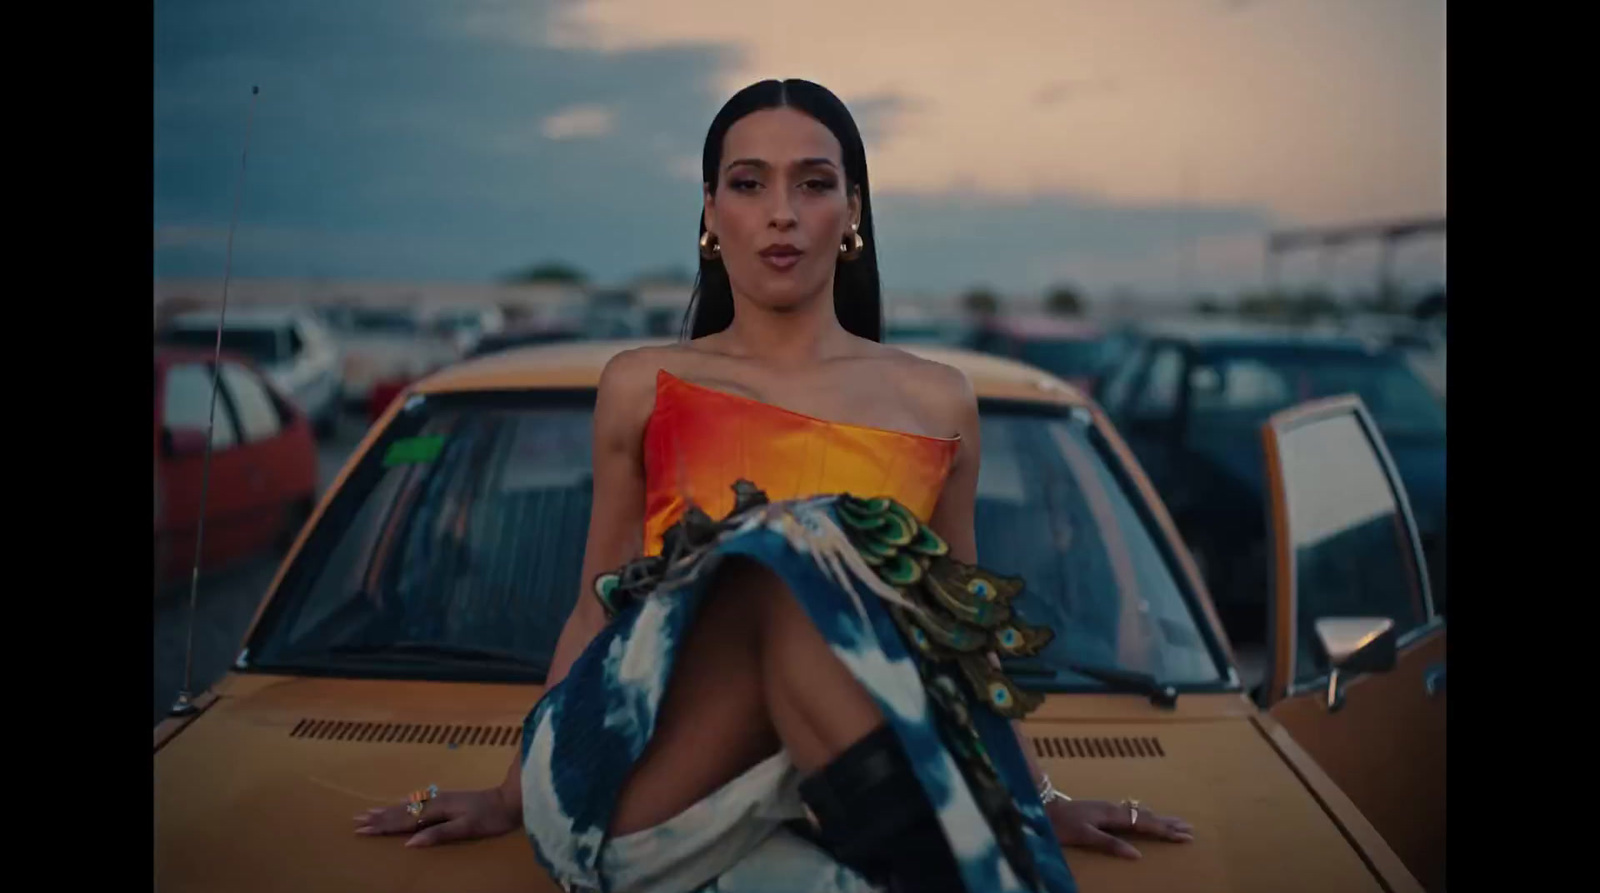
[960, 613]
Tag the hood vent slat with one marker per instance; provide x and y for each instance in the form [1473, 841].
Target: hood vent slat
[406, 733]
[1115, 748]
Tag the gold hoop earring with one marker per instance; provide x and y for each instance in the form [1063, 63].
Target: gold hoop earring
[710, 247]
[850, 250]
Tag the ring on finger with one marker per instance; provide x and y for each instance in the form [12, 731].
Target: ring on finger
[1133, 811]
[418, 801]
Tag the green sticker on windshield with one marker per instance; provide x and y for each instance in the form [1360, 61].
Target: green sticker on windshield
[413, 450]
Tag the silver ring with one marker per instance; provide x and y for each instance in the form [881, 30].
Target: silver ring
[1133, 811]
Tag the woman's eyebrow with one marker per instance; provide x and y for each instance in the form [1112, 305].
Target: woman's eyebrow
[762, 165]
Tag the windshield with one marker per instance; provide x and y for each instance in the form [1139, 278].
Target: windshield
[261, 345]
[465, 529]
[1243, 389]
[1051, 511]
[1067, 358]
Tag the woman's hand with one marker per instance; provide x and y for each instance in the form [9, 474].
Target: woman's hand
[1084, 823]
[452, 815]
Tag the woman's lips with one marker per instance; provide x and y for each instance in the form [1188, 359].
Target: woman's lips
[781, 260]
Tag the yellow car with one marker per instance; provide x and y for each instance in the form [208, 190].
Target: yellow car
[407, 634]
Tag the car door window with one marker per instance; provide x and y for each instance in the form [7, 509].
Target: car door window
[186, 404]
[1158, 397]
[297, 345]
[258, 417]
[1353, 551]
[1118, 386]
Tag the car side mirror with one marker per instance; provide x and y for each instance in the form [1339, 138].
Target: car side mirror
[179, 442]
[1353, 646]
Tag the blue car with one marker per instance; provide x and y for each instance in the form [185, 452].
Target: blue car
[1191, 399]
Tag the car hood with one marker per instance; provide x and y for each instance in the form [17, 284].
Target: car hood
[259, 792]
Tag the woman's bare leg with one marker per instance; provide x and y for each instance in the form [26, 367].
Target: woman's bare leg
[754, 675]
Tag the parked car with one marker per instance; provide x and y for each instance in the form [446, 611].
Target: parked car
[1076, 350]
[950, 333]
[263, 463]
[662, 322]
[526, 335]
[612, 314]
[388, 345]
[465, 326]
[1191, 400]
[407, 635]
[293, 347]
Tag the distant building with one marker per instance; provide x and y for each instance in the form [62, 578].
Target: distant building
[536, 300]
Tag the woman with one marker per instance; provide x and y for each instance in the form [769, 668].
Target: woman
[835, 710]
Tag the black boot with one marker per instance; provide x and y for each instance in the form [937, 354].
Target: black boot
[875, 818]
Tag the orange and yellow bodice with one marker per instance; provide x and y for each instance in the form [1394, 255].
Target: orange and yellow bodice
[700, 440]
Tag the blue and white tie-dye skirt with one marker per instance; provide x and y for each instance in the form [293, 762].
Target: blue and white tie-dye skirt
[582, 739]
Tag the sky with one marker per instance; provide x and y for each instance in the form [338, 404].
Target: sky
[1147, 145]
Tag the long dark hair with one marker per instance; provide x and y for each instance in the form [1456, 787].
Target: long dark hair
[857, 298]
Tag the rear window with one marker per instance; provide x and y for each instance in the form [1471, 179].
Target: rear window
[459, 541]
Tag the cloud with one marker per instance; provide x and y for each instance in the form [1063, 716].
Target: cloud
[1058, 91]
[578, 122]
[953, 240]
[408, 138]
[1319, 111]
[687, 168]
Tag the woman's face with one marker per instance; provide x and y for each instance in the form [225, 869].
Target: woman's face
[780, 209]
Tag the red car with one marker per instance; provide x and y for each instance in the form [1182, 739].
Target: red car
[263, 463]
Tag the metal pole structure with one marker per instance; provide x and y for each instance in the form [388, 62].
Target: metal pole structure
[185, 703]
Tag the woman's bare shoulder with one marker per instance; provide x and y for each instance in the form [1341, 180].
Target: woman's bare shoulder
[626, 391]
[940, 391]
[634, 371]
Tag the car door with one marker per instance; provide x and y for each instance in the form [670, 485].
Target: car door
[267, 475]
[183, 415]
[1346, 552]
[1152, 419]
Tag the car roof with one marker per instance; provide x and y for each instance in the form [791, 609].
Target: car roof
[1026, 326]
[1238, 335]
[244, 318]
[577, 364]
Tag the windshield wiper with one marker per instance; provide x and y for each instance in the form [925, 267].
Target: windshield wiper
[1160, 694]
[440, 651]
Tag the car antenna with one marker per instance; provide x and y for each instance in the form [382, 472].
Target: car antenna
[185, 703]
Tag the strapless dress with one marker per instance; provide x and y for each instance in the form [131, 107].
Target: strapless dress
[838, 512]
